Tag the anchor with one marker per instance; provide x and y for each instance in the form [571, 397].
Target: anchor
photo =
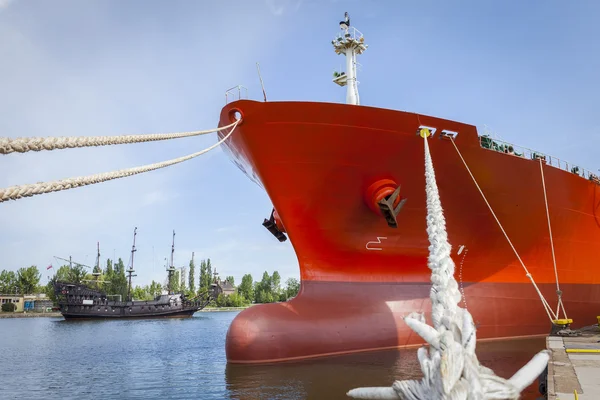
[386, 205]
[272, 226]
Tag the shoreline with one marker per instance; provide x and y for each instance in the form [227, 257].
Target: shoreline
[219, 309]
[58, 314]
[30, 315]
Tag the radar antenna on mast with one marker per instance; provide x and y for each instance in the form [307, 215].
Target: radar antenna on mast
[345, 24]
[350, 43]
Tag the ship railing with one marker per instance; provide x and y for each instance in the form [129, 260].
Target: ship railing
[501, 146]
[350, 33]
[236, 93]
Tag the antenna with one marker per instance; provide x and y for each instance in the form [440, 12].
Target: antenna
[261, 82]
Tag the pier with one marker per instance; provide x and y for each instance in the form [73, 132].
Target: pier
[574, 366]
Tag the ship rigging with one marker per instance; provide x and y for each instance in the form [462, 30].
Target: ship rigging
[79, 301]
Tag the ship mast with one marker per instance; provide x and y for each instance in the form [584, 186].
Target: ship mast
[96, 271]
[351, 43]
[130, 271]
[171, 268]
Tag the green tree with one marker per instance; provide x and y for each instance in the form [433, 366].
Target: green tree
[141, 293]
[263, 292]
[292, 288]
[109, 275]
[276, 284]
[231, 280]
[76, 274]
[118, 282]
[63, 273]
[246, 288]
[202, 279]
[49, 289]
[109, 267]
[236, 300]
[155, 289]
[191, 278]
[8, 281]
[209, 274]
[182, 285]
[174, 283]
[28, 279]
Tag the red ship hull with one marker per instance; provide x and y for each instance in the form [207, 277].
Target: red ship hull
[318, 163]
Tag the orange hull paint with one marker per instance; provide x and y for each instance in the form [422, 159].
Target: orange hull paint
[316, 162]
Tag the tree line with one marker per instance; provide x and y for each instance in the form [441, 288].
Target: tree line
[112, 280]
[24, 281]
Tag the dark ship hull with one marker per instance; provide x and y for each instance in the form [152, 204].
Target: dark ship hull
[104, 315]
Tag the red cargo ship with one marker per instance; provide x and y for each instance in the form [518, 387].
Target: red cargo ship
[348, 188]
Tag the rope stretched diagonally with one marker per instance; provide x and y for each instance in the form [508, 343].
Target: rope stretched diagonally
[547, 307]
[23, 145]
[560, 304]
[17, 192]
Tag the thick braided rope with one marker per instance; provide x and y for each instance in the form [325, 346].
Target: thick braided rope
[450, 366]
[24, 144]
[17, 192]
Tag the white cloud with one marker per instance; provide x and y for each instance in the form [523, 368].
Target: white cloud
[5, 3]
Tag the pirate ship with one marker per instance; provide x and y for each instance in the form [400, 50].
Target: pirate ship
[81, 301]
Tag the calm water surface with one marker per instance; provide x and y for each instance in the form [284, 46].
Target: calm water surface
[185, 359]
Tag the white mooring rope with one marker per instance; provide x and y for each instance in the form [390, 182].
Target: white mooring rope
[24, 144]
[17, 192]
[451, 369]
[547, 307]
[560, 304]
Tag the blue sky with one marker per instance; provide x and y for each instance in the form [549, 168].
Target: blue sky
[527, 70]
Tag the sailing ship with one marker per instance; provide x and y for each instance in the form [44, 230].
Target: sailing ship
[347, 186]
[81, 301]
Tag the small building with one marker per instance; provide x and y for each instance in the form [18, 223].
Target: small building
[37, 302]
[29, 302]
[225, 287]
[16, 299]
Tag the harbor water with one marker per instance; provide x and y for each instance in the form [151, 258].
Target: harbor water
[185, 359]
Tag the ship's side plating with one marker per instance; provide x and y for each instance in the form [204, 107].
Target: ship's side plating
[322, 165]
[348, 188]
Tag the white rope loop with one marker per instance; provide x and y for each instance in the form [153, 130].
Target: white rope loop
[551, 315]
[23, 145]
[450, 366]
[17, 192]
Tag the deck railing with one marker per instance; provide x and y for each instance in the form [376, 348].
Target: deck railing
[241, 91]
[488, 143]
[351, 33]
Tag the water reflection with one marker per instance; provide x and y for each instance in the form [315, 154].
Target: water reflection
[331, 378]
